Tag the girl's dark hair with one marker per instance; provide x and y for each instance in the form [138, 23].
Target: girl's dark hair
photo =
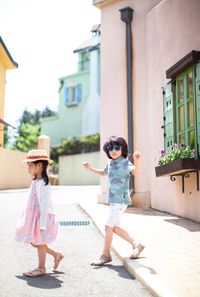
[116, 140]
[44, 170]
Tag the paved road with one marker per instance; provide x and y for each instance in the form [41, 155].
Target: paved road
[80, 244]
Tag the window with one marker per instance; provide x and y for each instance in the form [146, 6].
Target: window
[181, 99]
[185, 107]
[72, 94]
[84, 61]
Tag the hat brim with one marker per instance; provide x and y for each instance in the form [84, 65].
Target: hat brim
[33, 160]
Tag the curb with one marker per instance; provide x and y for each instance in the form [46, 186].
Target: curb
[147, 279]
[150, 281]
[8, 191]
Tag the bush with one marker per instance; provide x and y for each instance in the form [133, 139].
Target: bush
[76, 145]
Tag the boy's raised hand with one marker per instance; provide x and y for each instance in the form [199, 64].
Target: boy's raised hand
[137, 162]
[87, 165]
[136, 155]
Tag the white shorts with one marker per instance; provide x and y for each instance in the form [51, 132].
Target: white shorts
[115, 214]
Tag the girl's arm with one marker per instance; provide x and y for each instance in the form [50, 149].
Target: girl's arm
[43, 193]
[88, 166]
[137, 163]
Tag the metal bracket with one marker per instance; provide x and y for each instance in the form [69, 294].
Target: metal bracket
[186, 175]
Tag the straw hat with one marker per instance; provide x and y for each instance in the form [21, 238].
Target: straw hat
[36, 155]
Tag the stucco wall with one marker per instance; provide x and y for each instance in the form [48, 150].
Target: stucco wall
[71, 171]
[172, 32]
[13, 172]
[163, 32]
[113, 110]
[2, 91]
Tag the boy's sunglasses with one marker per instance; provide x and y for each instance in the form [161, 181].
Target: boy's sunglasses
[113, 148]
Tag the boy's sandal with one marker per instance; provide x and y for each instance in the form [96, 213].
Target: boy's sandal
[102, 260]
[36, 272]
[57, 260]
[137, 251]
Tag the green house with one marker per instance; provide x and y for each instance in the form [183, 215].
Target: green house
[78, 112]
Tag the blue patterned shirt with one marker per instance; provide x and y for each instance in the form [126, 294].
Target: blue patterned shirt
[119, 171]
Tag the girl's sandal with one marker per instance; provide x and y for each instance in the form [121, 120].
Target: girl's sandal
[103, 260]
[57, 260]
[36, 272]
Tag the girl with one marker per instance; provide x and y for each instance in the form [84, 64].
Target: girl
[38, 224]
[118, 170]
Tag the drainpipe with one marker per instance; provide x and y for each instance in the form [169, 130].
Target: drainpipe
[127, 17]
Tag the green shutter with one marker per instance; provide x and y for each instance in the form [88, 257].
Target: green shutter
[78, 92]
[197, 89]
[66, 96]
[168, 116]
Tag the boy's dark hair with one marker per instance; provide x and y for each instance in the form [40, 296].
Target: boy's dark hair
[44, 170]
[116, 140]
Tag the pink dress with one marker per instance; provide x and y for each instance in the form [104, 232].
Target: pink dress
[29, 227]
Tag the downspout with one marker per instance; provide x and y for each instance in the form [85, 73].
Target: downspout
[127, 17]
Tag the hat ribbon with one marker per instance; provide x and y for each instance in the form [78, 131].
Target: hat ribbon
[37, 157]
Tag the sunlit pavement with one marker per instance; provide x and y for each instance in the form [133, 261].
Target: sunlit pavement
[169, 265]
[78, 239]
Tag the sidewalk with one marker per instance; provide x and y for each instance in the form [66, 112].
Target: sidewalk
[170, 264]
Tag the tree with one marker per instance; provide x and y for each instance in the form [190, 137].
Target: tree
[28, 137]
[29, 129]
[47, 112]
[6, 136]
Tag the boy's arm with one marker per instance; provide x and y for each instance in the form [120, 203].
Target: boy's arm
[137, 163]
[88, 166]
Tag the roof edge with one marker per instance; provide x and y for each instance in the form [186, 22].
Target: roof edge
[8, 53]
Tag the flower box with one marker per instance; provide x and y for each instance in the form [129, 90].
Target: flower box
[178, 167]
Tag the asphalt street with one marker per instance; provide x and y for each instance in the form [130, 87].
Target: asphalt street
[80, 243]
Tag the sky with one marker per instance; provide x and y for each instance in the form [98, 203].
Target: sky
[41, 36]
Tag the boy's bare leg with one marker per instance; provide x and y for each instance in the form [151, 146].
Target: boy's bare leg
[124, 235]
[107, 240]
[105, 257]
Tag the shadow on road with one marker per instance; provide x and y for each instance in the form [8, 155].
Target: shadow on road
[48, 281]
[119, 269]
[187, 224]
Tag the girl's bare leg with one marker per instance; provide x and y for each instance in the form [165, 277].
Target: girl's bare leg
[41, 270]
[58, 256]
[52, 252]
[49, 251]
[42, 250]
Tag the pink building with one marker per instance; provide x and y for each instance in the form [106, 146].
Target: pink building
[150, 74]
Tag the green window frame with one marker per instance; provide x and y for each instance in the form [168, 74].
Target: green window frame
[185, 107]
[197, 107]
[169, 119]
[181, 101]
